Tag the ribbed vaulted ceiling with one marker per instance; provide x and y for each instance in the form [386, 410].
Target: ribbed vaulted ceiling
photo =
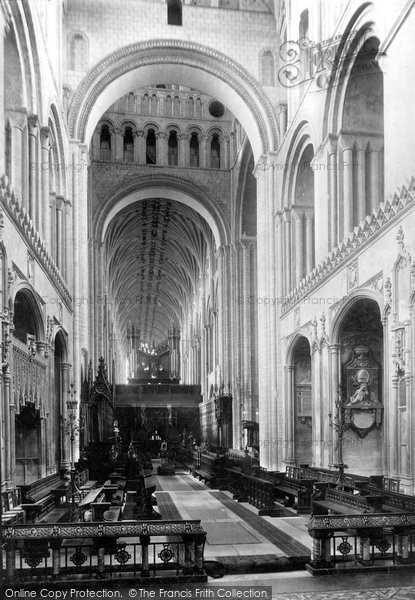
[155, 251]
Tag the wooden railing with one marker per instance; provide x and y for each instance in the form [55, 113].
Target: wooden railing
[355, 541]
[105, 551]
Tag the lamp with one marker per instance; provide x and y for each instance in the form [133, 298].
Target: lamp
[338, 423]
[72, 426]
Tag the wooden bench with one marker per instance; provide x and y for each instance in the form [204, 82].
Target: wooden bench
[295, 492]
[12, 513]
[327, 500]
[394, 501]
[42, 496]
[250, 488]
[94, 501]
[145, 497]
[209, 469]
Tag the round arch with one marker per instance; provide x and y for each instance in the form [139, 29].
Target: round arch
[293, 343]
[147, 63]
[60, 339]
[361, 27]
[171, 188]
[303, 136]
[34, 304]
[354, 297]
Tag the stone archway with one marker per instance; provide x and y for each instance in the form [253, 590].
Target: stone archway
[145, 64]
[361, 376]
[202, 68]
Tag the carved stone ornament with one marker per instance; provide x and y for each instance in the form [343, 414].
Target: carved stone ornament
[352, 276]
[363, 408]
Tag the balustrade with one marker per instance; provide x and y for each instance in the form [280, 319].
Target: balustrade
[145, 550]
[355, 541]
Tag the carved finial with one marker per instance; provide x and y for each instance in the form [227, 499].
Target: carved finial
[400, 237]
[323, 325]
[388, 290]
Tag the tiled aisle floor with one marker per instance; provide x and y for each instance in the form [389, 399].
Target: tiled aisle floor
[229, 535]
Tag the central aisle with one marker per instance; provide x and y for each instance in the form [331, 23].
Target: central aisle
[234, 530]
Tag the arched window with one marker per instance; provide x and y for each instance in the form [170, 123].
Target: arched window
[267, 68]
[306, 56]
[105, 143]
[131, 102]
[173, 149]
[174, 12]
[154, 103]
[215, 152]
[146, 104]
[194, 150]
[128, 145]
[169, 106]
[198, 108]
[151, 148]
[303, 27]
[176, 106]
[78, 53]
[191, 108]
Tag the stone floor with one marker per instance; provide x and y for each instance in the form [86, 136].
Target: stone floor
[230, 535]
[227, 533]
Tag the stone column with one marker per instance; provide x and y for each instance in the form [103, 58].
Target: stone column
[247, 338]
[161, 148]
[183, 148]
[225, 153]
[266, 325]
[67, 237]
[334, 384]
[140, 148]
[52, 212]
[316, 408]
[83, 252]
[96, 144]
[287, 250]
[333, 176]
[43, 447]
[309, 240]
[289, 442]
[203, 153]
[17, 120]
[347, 151]
[44, 175]
[33, 168]
[299, 244]
[59, 231]
[65, 459]
[394, 426]
[360, 167]
[375, 173]
[118, 139]
[12, 440]
[9, 426]
[283, 113]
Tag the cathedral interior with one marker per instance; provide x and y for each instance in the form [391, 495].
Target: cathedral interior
[207, 292]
